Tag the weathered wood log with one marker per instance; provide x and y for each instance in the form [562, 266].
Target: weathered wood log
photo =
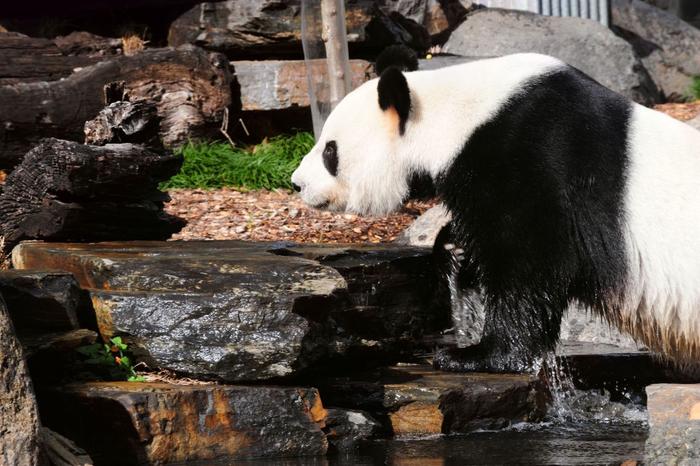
[69, 191]
[28, 59]
[135, 122]
[271, 28]
[190, 87]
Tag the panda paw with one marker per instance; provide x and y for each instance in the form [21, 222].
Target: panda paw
[478, 358]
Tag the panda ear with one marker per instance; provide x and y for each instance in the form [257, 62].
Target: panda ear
[399, 56]
[394, 95]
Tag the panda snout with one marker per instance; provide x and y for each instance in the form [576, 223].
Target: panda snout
[296, 187]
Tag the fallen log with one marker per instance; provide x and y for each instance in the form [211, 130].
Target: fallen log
[63, 190]
[27, 59]
[190, 88]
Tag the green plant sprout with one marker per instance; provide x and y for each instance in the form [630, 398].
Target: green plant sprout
[111, 356]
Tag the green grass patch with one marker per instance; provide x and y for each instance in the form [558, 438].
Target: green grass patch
[268, 165]
[695, 88]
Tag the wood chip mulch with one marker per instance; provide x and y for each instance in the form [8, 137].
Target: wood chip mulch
[279, 216]
[683, 112]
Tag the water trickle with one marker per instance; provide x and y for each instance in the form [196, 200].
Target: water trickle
[466, 305]
[571, 406]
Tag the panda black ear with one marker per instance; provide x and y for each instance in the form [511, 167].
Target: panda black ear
[398, 56]
[394, 95]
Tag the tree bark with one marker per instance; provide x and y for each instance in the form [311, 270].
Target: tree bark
[28, 59]
[74, 192]
[189, 86]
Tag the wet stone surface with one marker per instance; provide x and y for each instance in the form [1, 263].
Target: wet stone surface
[419, 400]
[252, 311]
[157, 423]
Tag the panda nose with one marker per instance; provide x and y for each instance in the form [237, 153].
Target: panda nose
[296, 187]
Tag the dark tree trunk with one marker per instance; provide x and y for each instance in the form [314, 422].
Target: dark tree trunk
[190, 87]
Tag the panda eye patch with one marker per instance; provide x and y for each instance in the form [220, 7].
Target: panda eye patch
[330, 158]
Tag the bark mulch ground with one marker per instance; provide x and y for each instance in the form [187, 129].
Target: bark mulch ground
[279, 216]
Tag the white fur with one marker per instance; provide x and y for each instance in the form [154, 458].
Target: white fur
[662, 205]
[447, 105]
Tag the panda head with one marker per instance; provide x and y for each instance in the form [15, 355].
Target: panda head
[359, 162]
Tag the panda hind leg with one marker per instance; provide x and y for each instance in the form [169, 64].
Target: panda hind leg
[516, 338]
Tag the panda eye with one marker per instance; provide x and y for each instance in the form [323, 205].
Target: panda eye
[330, 158]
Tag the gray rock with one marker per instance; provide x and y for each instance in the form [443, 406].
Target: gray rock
[282, 84]
[585, 44]
[674, 425]
[19, 419]
[252, 311]
[424, 229]
[41, 302]
[580, 325]
[438, 16]
[345, 428]
[695, 122]
[668, 46]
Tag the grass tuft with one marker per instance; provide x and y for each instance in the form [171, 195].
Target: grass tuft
[268, 165]
[695, 88]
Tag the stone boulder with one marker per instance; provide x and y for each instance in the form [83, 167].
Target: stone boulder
[423, 231]
[19, 419]
[668, 46]
[241, 311]
[415, 399]
[695, 122]
[272, 28]
[439, 17]
[674, 425]
[122, 423]
[585, 44]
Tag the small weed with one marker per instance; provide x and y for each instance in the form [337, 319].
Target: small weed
[268, 165]
[113, 356]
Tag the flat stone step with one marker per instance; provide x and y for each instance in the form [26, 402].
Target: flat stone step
[419, 400]
[122, 423]
[241, 311]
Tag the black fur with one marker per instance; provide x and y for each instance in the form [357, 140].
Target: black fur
[398, 56]
[536, 196]
[330, 158]
[393, 92]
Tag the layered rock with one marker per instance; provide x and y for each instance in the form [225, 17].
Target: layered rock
[419, 400]
[674, 425]
[159, 423]
[252, 311]
[585, 44]
[42, 301]
[19, 419]
[668, 46]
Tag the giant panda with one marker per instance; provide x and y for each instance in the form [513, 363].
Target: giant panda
[561, 191]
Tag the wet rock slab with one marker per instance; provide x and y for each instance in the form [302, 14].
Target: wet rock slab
[158, 423]
[674, 424]
[241, 311]
[419, 400]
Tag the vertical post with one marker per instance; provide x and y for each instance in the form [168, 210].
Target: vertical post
[324, 40]
[335, 42]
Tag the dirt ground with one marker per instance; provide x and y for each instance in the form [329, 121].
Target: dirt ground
[280, 215]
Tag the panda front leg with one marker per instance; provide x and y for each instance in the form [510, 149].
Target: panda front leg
[517, 334]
